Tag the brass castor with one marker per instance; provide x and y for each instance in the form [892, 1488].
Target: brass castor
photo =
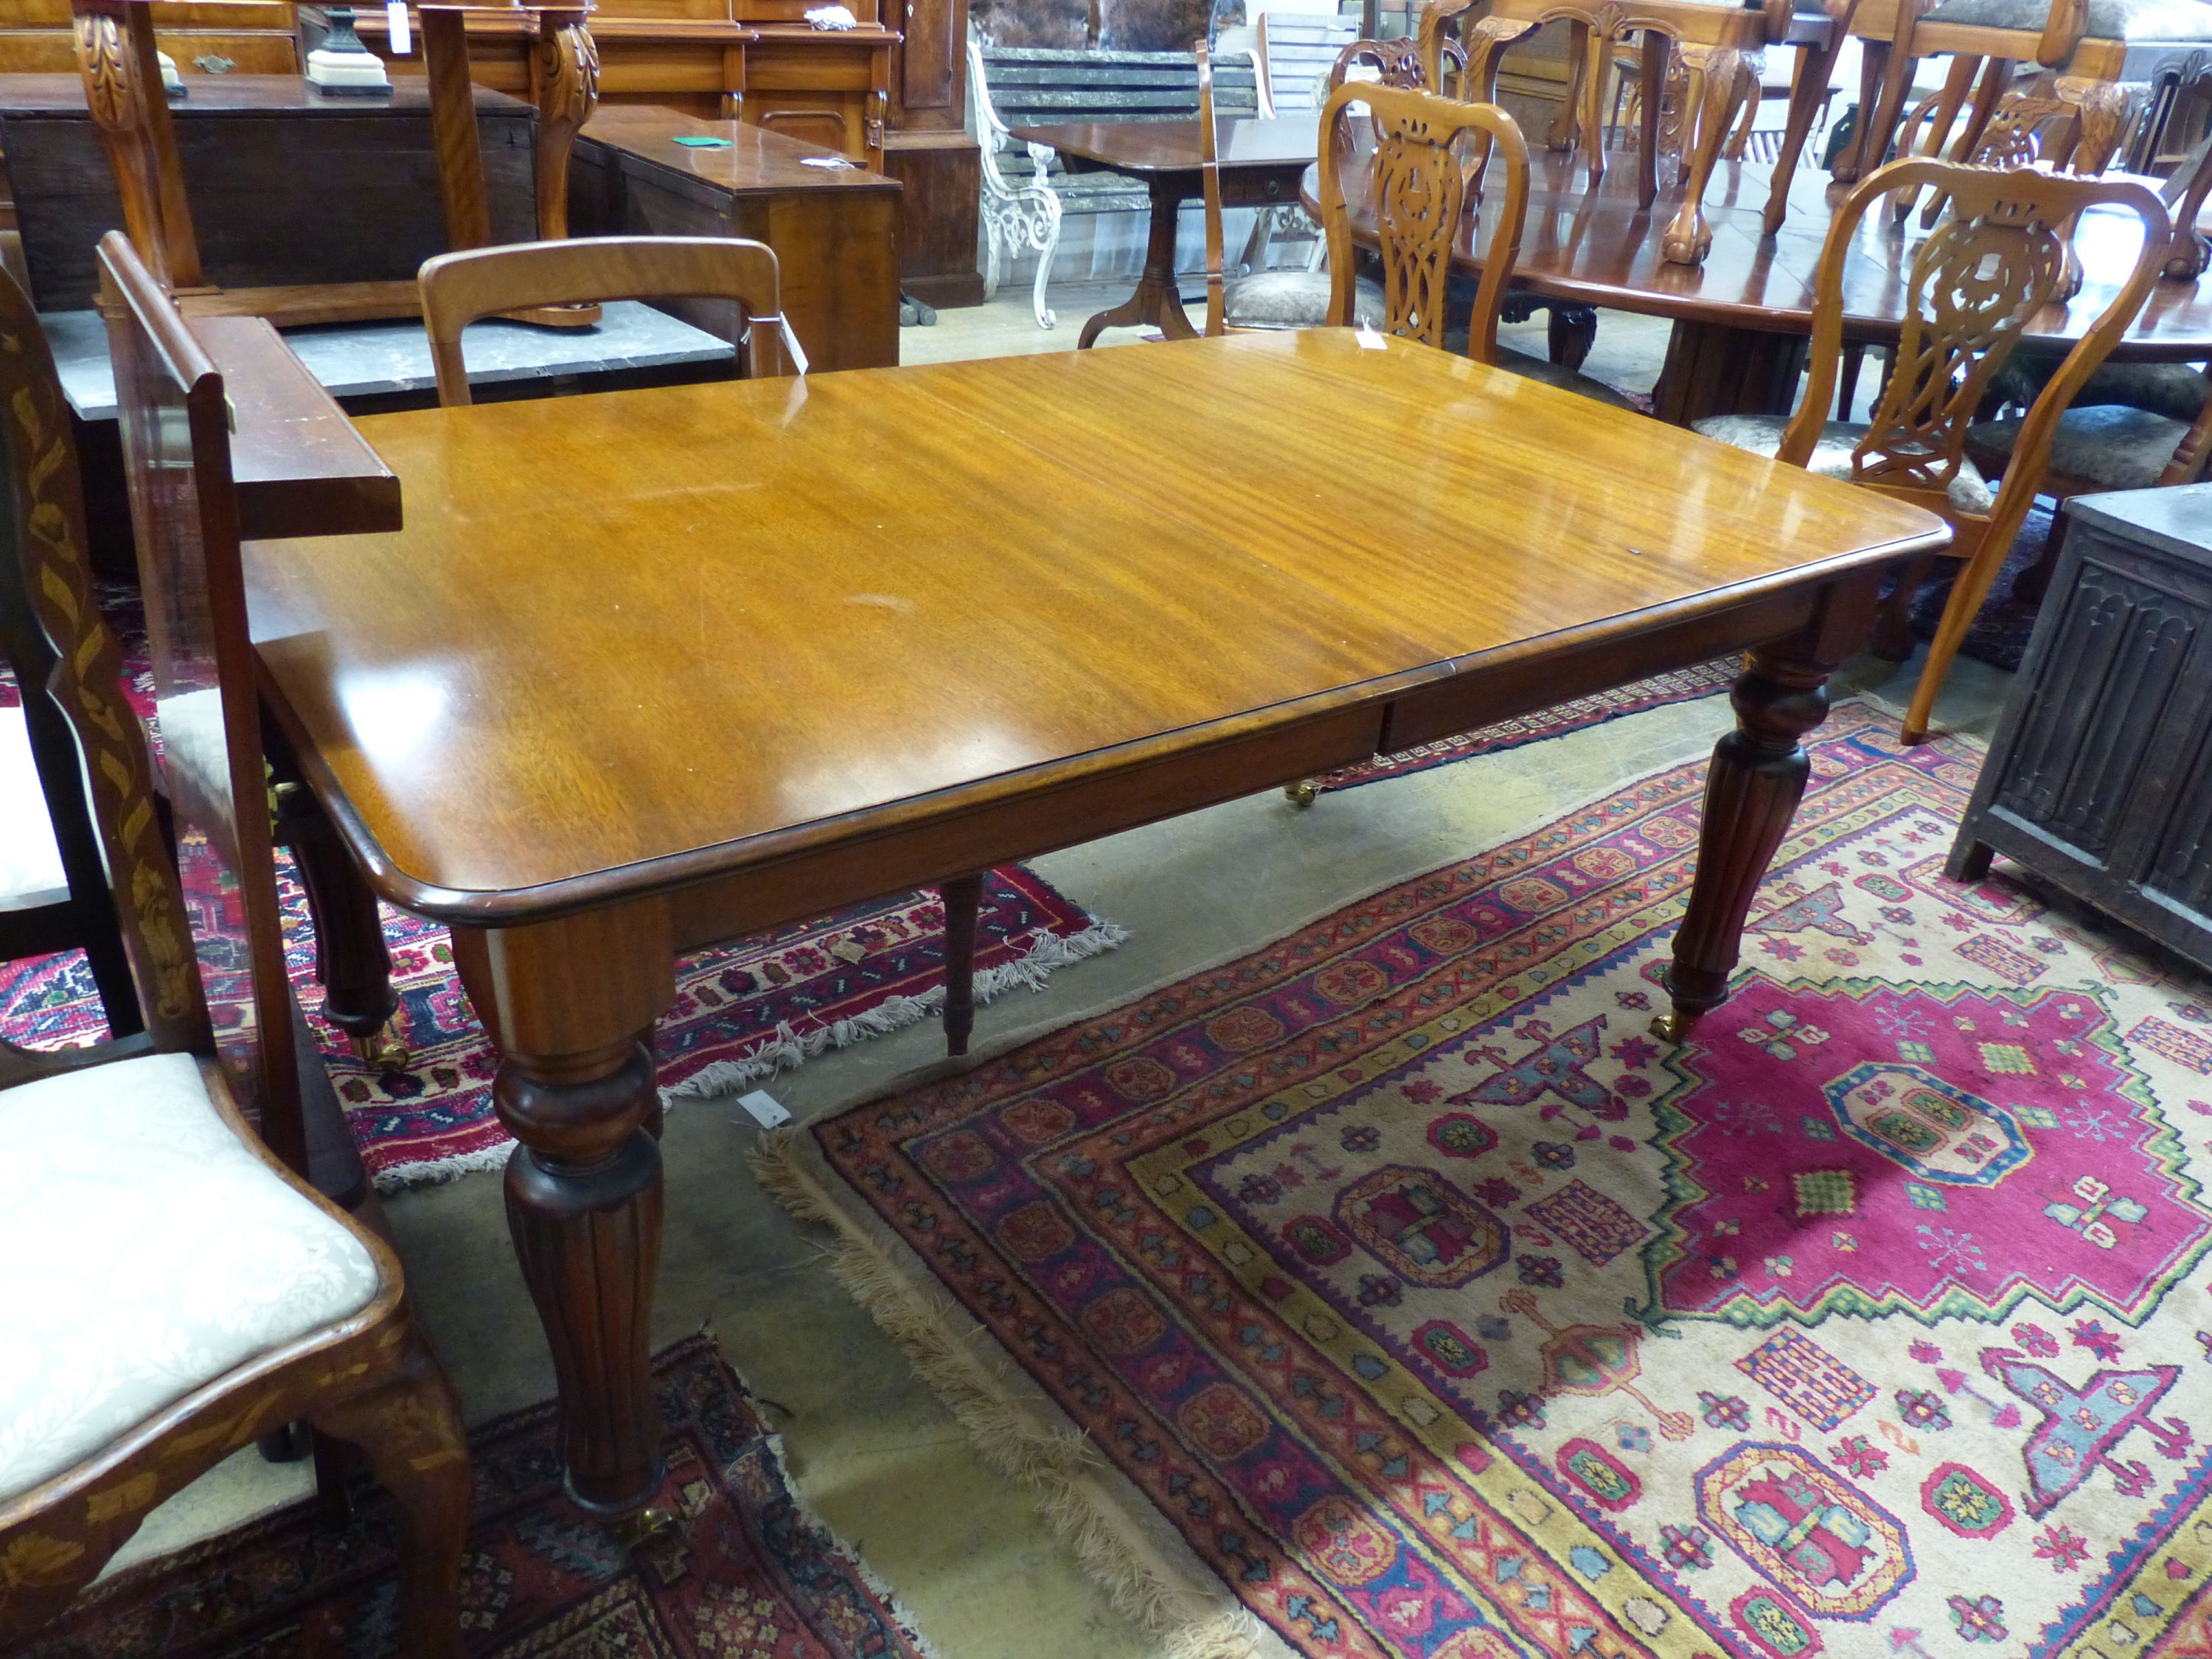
[1300, 793]
[385, 1051]
[642, 1529]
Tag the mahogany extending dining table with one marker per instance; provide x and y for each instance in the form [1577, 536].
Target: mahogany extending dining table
[651, 669]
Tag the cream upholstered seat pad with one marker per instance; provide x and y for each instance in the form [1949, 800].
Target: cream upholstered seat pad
[143, 1251]
[1831, 456]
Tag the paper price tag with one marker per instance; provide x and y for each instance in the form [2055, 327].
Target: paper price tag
[395, 23]
[763, 1107]
[1368, 338]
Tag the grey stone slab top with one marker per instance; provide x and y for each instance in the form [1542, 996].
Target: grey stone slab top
[358, 359]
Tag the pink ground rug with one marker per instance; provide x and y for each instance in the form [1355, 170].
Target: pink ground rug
[742, 1011]
[1414, 1300]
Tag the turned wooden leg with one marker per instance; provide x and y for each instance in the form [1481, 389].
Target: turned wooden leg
[1809, 86]
[1712, 83]
[352, 961]
[409, 1428]
[571, 1005]
[1758, 776]
[962, 898]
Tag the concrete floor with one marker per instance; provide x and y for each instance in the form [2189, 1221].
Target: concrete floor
[871, 1449]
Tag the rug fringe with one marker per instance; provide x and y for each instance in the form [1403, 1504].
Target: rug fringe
[436, 1171]
[1056, 1463]
[789, 1048]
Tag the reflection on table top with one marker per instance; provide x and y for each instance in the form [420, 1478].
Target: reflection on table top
[629, 626]
[1598, 247]
[1172, 146]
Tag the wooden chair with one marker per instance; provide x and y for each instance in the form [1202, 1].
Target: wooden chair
[1714, 40]
[1424, 141]
[2087, 41]
[1996, 259]
[118, 60]
[176, 1289]
[460, 289]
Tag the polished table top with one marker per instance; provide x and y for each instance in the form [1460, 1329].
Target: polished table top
[641, 637]
[1598, 247]
[1143, 147]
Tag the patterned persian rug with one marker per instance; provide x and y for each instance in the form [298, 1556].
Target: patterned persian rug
[1682, 685]
[749, 1574]
[1413, 1300]
[742, 1011]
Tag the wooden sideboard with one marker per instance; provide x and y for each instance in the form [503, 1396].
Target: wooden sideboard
[835, 229]
[207, 38]
[2100, 778]
[889, 93]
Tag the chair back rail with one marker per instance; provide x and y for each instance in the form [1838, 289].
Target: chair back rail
[1421, 188]
[174, 423]
[464, 288]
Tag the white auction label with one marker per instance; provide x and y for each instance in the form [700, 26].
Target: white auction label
[395, 23]
[763, 1108]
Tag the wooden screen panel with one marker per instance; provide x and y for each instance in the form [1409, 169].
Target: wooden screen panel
[176, 458]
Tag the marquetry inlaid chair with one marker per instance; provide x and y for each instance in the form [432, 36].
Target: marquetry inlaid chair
[1716, 40]
[175, 1288]
[1996, 258]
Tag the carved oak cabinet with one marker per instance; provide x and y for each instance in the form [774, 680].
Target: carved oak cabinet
[2100, 780]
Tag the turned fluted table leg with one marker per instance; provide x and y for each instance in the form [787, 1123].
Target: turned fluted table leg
[1758, 777]
[571, 1005]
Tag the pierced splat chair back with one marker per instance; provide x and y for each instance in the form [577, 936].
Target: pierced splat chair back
[1402, 62]
[1996, 259]
[176, 457]
[1425, 174]
[43, 571]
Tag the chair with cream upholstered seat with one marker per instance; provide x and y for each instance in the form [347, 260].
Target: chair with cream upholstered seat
[1996, 257]
[175, 1288]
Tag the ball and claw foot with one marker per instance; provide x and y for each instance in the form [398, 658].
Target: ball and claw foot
[1300, 793]
[384, 1051]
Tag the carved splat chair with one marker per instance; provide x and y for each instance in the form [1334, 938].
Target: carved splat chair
[1716, 40]
[1996, 258]
[118, 63]
[1415, 143]
[175, 1288]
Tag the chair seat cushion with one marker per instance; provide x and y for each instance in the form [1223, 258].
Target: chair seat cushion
[1831, 455]
[2170, 389]
[2111, 447]
[147, 1251]
[1567, 379]
[2109, 20]
[1296, 299]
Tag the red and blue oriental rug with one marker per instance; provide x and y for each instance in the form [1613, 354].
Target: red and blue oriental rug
[747, 1573]
[742, 1011]
[1409, 1298]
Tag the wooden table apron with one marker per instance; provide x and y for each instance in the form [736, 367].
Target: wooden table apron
[1166, 647]
[1260, 161]
[1743, 318]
